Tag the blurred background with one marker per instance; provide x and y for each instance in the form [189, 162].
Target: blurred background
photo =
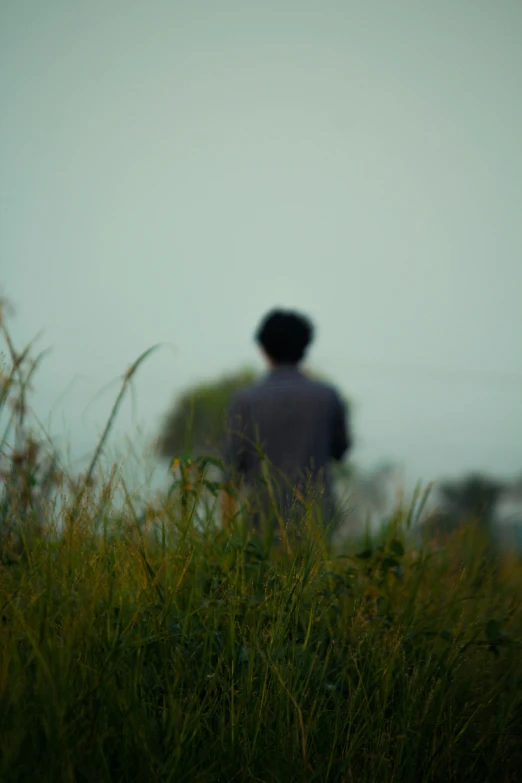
[169, 171]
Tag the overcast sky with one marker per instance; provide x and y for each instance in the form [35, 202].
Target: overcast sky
[171, 170]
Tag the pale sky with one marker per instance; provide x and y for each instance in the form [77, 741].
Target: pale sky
[171, 170]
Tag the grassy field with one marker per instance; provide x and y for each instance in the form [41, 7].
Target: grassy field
[137, 645]
[143, 649]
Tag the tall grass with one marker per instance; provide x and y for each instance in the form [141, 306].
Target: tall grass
[184, 655]
[136, 645]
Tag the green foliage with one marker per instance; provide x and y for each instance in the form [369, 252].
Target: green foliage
[474, 497]
[158, 648]
[29, 470]
[153, 646]
[196, 423]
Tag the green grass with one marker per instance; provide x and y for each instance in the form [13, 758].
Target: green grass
[137, 645]
[171, 654]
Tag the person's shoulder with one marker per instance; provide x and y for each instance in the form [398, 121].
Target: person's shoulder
[324, 388]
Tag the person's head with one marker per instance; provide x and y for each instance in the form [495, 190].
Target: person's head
[284, 336]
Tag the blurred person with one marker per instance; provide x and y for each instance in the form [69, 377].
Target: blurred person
[284, 431]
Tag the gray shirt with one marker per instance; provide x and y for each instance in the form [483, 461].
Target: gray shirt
[298, 424]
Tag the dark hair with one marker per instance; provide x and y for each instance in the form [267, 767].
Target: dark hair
[285, 335]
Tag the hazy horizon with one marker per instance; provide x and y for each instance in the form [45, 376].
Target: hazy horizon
[171, 171]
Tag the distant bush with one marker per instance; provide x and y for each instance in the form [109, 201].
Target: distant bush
[197, 421]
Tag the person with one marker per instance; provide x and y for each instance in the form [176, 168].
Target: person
[285, 430]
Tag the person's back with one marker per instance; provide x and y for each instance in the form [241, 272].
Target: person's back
[297, 424]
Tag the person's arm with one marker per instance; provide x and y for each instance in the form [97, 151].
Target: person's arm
[341, 436]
